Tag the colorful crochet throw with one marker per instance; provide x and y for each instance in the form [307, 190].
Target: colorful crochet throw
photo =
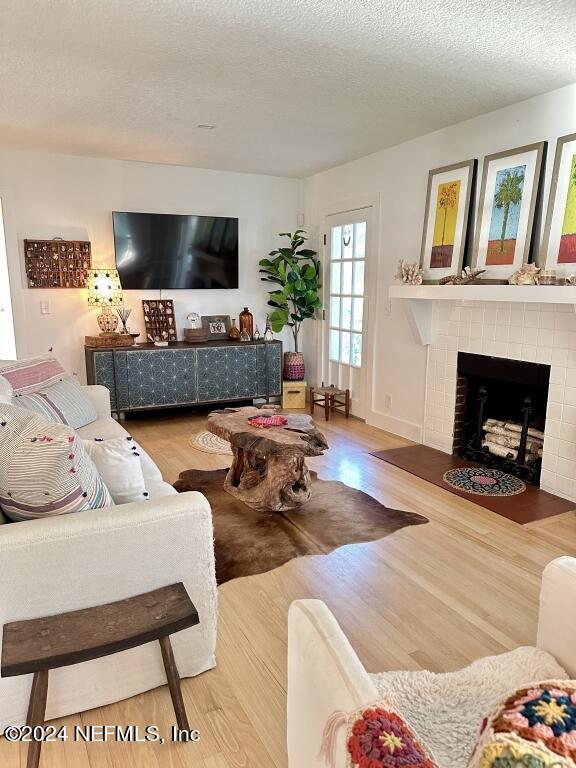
[378, 737]
[533, 728]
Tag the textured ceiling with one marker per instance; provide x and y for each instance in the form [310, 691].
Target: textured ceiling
[293, 87]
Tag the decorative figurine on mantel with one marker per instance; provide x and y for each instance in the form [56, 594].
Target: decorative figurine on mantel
[466, 277]
[409, 273]
[526, 275]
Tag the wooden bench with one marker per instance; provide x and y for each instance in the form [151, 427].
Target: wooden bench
[39, 645]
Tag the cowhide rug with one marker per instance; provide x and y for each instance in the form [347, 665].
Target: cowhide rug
[248, 542]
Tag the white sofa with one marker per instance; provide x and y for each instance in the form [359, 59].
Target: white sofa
[325, 676]
[75, 561]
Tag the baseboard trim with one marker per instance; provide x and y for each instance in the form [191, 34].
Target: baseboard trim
[396, 426]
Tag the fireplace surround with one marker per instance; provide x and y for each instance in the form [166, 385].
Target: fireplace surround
[532, 333]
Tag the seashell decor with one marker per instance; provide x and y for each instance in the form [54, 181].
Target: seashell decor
[409, 273]
[526, 275]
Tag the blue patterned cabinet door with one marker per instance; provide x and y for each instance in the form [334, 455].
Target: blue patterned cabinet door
[269, 370]
[161, 377]
[104, 373]
[227, 373]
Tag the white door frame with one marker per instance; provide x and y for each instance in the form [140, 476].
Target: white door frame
[373, 202]
[15, 270]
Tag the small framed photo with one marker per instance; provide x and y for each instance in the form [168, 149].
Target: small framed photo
[217, 326]
[507, 206]
[447, 225]
[559, 244]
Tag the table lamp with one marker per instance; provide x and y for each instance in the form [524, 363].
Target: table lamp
[105, 291]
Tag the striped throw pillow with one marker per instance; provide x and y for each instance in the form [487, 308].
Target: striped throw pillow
[44, 468]
[64, 401]
[27, 376]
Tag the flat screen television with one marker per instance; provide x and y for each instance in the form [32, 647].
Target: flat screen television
[167, 251]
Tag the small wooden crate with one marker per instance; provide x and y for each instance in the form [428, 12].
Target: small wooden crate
[293, 394]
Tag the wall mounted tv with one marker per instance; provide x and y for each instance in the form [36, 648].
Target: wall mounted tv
[166, 251]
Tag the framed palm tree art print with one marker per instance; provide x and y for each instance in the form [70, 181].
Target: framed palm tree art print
[559, 244]
[447, 224]
[509, 196]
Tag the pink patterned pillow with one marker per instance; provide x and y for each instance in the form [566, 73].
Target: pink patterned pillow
[32, 375]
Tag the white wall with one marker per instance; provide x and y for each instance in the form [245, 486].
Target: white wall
[45, 196]
[399, 177]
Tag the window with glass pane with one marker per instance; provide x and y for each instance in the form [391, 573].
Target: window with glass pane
[347, 257]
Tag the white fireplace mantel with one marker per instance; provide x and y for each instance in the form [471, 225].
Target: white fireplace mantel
[420, 298]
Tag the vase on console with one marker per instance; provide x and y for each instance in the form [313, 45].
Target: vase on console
[294, 368]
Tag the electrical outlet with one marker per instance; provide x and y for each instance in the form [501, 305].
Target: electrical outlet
[387, 400]
[386, 309]
[44, 307]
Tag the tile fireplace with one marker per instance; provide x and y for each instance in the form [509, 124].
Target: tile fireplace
[541, 334]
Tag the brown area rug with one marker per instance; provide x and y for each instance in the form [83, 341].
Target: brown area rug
[248, 542]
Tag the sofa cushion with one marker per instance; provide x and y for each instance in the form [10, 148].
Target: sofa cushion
[64, 401]
[158, 488]
[118, 462]
[447, 710]
[44, 468]
[27, 376]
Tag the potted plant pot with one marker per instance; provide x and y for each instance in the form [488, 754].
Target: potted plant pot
[294, 369]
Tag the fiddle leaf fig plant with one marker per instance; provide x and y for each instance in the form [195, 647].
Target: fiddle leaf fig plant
[296, 272]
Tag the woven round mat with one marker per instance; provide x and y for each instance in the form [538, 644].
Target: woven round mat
[209, 443]
[484, 482]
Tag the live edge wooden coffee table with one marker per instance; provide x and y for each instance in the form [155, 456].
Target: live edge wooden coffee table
[268, 470]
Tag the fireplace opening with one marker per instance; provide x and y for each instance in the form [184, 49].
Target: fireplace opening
[501, 413]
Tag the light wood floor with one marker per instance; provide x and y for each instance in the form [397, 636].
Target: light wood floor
[435, 596]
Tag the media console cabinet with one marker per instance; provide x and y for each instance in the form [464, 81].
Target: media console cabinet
[145, 377]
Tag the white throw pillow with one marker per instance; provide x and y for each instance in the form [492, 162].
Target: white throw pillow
[6, 391]
[118, 462]
[44, 468]
[64, 401]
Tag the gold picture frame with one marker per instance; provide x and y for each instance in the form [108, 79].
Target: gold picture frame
[447, 231]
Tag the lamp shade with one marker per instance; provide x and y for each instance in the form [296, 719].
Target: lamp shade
[104, 288]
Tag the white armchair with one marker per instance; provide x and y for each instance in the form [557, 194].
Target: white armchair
[75, 561]
[326, 676]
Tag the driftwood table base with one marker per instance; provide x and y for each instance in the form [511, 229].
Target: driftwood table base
[268, 469]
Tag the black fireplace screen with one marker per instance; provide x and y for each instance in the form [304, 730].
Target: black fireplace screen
[501, 413]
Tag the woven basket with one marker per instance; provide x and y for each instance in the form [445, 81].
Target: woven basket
[294, 369]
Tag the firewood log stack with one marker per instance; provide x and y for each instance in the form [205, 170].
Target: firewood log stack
[502, 438]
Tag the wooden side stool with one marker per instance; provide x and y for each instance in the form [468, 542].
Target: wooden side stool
[39, 645]
[330, 399]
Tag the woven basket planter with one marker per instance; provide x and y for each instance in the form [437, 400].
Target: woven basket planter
[294, 369]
